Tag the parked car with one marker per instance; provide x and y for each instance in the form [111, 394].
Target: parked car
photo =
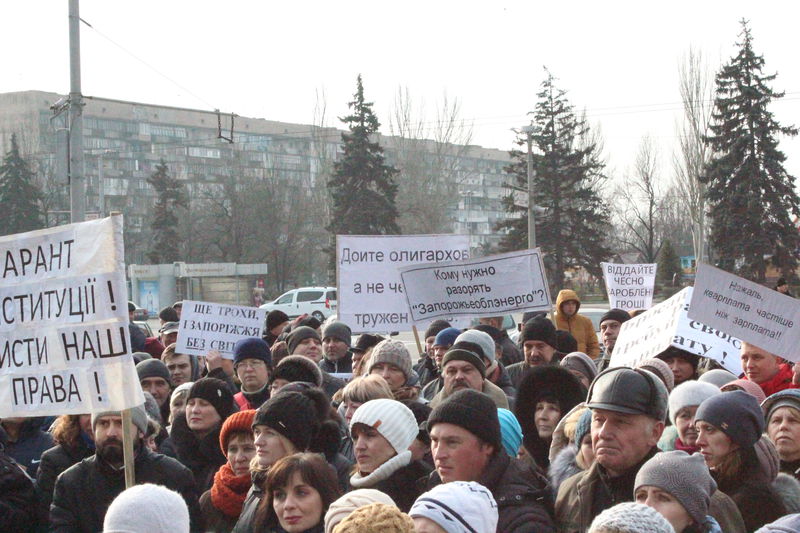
[140, 313]
[319, 302]
[145, 327]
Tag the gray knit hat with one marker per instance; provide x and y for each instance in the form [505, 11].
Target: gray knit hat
[393, 352]
[138, 417]
[338, 330]
[735, 413]
[482, 340]
[660, 369]
[580, 362]
[631, 517]
[685, 477]
[688, 394]
[717, 376]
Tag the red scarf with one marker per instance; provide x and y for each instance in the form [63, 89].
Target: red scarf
[229, 491]
[684, 448]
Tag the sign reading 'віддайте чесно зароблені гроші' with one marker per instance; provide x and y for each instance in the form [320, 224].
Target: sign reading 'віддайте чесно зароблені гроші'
[629, 286]
[64, 339]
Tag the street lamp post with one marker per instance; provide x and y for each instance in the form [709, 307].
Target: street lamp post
[529, 130]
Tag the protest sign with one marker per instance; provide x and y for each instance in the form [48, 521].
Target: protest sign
[370, 293]
[754, 313]
[629, 287]
[64, 338]
[208, 326]
[489, 286]
[669, 324]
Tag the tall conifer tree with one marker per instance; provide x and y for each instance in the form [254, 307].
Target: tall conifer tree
[571, 229]
[20, 197]
[751, 195]
[170, 196]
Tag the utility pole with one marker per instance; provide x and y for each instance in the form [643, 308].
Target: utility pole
[529, 130]
[77, 178]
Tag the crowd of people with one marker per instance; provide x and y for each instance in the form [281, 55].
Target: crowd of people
[306, 430]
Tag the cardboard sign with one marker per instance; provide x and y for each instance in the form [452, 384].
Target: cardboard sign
[630, 287]
[64, 338]
[489, 286]
[754, 313]
[208, 326]
[669, 324]
[370, 293]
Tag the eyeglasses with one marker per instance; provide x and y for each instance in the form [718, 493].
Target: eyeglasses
[251, 364]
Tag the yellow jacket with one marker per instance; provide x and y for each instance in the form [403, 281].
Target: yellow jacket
[578, 325]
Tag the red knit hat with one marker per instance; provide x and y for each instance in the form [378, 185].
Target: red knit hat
[241, 421]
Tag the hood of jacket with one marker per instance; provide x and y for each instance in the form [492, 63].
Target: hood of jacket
[566, 295]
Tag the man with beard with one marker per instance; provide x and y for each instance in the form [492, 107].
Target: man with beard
[84, 491]
[463, 368]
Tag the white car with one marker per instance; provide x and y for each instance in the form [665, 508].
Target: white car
[319, 302]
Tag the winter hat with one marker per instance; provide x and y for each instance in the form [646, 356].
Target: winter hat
[338, 330]
[580, 362]
[689, 357]
[147, 508]
[539, 329]
[309, 322]
[465, 351]
[251, 348]
[685, 477]
[138, 417]
[446, 337]
[787, 524]
[300, 334]
[216, 392]
[718, 377]
[182, 388]
[583, 427]
[393, 352]
[376, 517]
[241, 421]
[510, 432]
[170, 327]
[365, 341]
[630, 517]
[275, 318]
[735, 413]
[660, 369]
[458, 507]
[784, 398]
[435, 327]
[566, 342]
[393, 420]
[471, 410]
[768, 458]
[138, 357]
[421, 413]
[629, 390]
[788, 489]
[750, 387]
[153, 368]
[151, 407]
[293, 415]
[341, 508]
[481, 339]
[688, 394]
[298, 368]
[619, 315]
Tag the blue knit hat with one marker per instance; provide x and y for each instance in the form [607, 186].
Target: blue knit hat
[583, 426]
[446, 337]
[251, 348]
[510, 432]
[735, 413]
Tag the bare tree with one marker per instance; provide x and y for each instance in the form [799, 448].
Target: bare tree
[696, 90]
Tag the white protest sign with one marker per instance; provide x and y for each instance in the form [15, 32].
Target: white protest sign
[629, 287]
[489, 286]
[752, 312]
[668, 324]
[64, 339]
[370, 293]
[208, 326]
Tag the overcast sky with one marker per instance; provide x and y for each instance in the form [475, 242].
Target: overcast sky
[267, 59]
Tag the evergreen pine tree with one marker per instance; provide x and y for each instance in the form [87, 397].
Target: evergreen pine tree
[170, 196]
[751, 195]
[571, 230]
[669, 264]
[362, 187]
[20, 197]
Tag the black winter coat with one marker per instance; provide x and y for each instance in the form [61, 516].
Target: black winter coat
[755, 498]
[31, 443]
[85, 490]
[202, 456]
[19, 507]
[251, 502]
[523, 496]
[405, 485]
[54, 461]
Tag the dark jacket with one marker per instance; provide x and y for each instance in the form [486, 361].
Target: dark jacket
[31, 443]
[56, 460]
[85, 490]
[202, 456]
[433, 387]
[426, 370]
[757, 501]
[19, 506]
[511, 352]
[405, 485]
[504, 382]
[331, 384]
[138, 337]
[251, 400]
[340, 366]
[250, 505]
[524, 500]
[214, 520]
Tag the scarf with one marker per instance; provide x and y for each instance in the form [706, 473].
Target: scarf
[229, 491]
[382, 472]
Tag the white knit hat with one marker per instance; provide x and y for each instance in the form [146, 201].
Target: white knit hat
[341, 508]
[630, 517]
[687, 394]
[458, 507]
[147, 508]
[393, 420]
[482, 339]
